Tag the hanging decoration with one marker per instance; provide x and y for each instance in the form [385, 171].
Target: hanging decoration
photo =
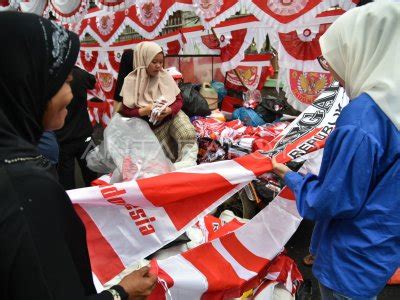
[114, 5]
[302, 88]
[253, 72]
[285, 15]
[9, 4]
[69, 11]
[148, 11]
[213, 12]
[33, 6]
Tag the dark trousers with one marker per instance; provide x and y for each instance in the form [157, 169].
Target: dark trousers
[66, 165]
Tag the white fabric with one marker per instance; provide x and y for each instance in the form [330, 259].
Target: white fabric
[362, 47]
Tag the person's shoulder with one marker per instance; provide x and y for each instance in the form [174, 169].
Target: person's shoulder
[33, 175]
[359, 112]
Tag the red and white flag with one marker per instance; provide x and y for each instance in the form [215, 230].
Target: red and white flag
[228, 266]
[128, 221]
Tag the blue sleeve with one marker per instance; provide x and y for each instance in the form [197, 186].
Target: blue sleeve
[342, 185]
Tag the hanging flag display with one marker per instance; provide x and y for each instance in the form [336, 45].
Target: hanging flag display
[69, 11]
[212, 12]
[253, 72]
[286, 15]
[302, 88]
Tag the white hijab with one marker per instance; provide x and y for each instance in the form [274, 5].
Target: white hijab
[363, 47]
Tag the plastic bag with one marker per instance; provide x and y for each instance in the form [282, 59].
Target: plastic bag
[130, 150]
[194, 104]
[252, 98]
[221, 90]
[248, 116]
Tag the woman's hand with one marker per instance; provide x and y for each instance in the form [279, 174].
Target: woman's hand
[167, 111]
[145, 111]
[139, 284]
[279, 169]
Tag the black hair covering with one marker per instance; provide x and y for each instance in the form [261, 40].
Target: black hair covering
[36, 57]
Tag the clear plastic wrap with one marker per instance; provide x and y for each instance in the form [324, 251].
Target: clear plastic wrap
[130, 150]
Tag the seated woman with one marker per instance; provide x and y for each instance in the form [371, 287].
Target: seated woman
[150, 88]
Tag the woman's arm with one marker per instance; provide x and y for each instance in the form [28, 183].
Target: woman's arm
[346, 175]
[177, 105]
[135, 112]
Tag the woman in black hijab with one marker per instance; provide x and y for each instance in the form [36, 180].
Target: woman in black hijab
[43, 251]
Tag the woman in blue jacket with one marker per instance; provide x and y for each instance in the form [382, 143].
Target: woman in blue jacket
[355, 200]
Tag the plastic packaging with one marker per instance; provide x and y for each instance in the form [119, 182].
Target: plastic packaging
[130, 150]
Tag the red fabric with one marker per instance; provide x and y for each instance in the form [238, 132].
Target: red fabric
[231, 50]
[276, 8]
[129, 112]
[302, 50]
[242, 255]
[218, 263]
[105, 26]
[227, 4]
[106, 269]
[174, 47]
[177, 105]
[89, 59]
[229, 104]
[210, 41]
[183, 211]
[395, 278]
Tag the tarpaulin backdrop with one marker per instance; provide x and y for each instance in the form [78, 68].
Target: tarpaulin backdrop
[128, 221]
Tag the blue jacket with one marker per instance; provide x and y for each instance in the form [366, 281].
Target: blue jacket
[355, 201]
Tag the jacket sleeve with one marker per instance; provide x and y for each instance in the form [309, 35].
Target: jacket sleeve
[129, 112]
[342, 186]
[177, 105]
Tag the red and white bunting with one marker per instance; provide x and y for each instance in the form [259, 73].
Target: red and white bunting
[114, 5]
[302, 88]
[9, 4]
[212, 12]
[69, 11]
[33, 6]
[253, 72]
[283, 16]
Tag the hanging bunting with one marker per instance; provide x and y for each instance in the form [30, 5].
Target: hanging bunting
[253, 72]
[299, 49]
[212, 12]
[235, 36]
[89, 59]
[149, 17]
[114, 5]
[302, 88]
[69, 11]
[9, 4]
[284, 15]
[33, 6]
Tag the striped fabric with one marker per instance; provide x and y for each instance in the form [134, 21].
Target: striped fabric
[126, 222]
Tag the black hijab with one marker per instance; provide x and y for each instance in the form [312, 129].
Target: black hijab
[36, 57]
